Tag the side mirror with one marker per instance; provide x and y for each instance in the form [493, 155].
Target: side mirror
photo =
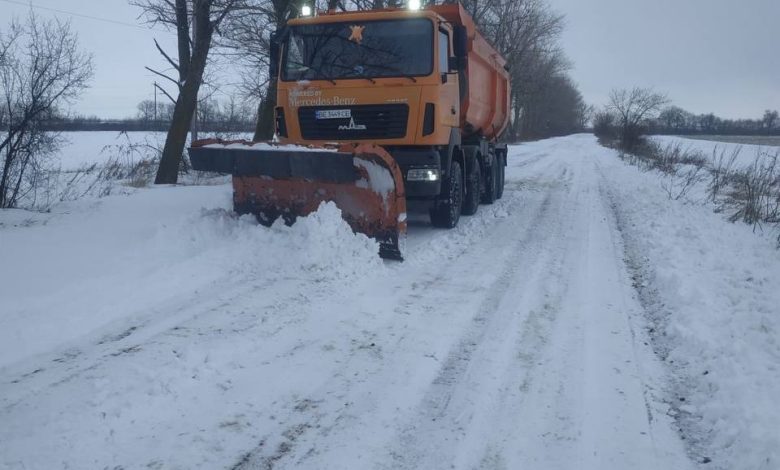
[460, 40]
[456, 64]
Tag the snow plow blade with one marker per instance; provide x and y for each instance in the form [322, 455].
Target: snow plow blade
[288, 181]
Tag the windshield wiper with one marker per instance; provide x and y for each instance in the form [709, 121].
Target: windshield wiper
[319, 75]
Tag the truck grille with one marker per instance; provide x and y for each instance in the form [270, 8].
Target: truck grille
[375, 121]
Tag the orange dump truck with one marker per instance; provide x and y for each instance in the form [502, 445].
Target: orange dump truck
[376, 109]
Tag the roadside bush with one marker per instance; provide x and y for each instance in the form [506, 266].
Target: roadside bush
[101, 180]
[680, 181]
[631, 137]
[722, 170]
[633, 109]
[604, 126]
[751, 194]
[755, 191]
[683, 167]
[650, 155]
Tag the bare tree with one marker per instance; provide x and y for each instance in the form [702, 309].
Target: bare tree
[632, 108]
[673, 117]
[205, 18]
[585, 112]
[146, 110]
[770, 119]
[41, 68]
[246, 40]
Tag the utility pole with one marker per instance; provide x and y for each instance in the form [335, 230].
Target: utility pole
[155, 104]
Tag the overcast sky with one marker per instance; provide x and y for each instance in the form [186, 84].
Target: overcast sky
[120, 51]
[720, 56]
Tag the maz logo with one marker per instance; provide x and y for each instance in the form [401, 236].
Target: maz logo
[352, 126]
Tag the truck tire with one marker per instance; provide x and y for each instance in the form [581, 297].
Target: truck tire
[491, 183]
[473, 188]
[446, 212]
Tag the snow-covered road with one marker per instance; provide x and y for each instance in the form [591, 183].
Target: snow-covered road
[517, 340]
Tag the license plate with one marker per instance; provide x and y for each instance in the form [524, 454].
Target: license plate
[333, 114]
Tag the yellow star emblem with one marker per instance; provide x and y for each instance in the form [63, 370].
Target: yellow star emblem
[357, 34]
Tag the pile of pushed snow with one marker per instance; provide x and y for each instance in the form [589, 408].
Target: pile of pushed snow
[321, 244]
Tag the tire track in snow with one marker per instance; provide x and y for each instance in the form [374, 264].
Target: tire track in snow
[493, 357]
[426, 297]
[323, 420]
[653, 311]
[586, 400]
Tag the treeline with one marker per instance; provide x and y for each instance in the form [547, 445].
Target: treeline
[213, 116]
[634, 113]
[677, 121]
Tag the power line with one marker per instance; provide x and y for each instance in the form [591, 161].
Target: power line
[80, 15]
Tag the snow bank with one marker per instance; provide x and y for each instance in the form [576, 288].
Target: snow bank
[91, 264]
[321, 244]
[80, 149]
[711, 288]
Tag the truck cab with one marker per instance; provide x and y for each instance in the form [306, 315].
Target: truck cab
[399, 79]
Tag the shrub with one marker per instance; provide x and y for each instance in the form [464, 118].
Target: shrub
[756, 191]
[604, 125]
[721, 171]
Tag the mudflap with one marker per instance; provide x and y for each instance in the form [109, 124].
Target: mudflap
[272, 181]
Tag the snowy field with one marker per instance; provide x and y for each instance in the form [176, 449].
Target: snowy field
[762, 140]
[747, 152]
[583, 321]
[82, 149]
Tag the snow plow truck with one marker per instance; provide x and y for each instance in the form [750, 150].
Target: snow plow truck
[375, 109]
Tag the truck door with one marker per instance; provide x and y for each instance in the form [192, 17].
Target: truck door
[449, 94]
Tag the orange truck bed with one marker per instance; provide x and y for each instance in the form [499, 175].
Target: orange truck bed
[485, 109]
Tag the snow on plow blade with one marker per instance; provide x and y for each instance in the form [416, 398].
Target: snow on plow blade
[288, 181]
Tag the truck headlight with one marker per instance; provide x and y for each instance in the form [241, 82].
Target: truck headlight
[423, 174]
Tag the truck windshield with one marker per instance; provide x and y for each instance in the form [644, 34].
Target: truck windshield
[369, 49]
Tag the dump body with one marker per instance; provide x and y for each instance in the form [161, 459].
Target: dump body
[484, 109]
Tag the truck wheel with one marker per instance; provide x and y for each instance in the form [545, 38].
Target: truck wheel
[473, 188]
[446, 212]
[491, 183]
[502, 174]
